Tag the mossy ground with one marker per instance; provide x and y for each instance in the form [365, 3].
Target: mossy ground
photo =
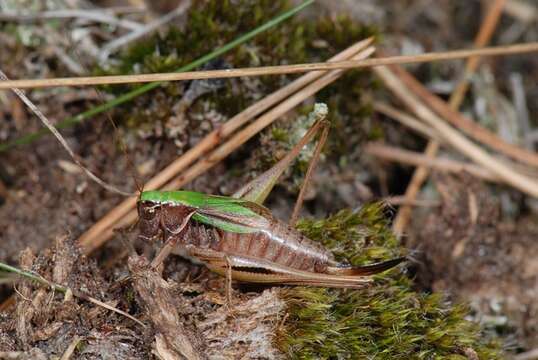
[387, 320]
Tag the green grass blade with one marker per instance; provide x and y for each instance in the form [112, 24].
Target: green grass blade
[148, 87]
[31, 276]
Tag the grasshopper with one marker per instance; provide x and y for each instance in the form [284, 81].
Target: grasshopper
[238, 237]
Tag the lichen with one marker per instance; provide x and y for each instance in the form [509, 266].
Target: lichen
[387, 320]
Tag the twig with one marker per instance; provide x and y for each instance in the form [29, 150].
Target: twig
[418, 159]
[455, 139]
[71, 348]
[420, 175]
[148, 87]
[524, 11]
[406, 119]
[64, 290]
[528, 355]
[124, 213]
[118, 43]
[470, 127]
[273, 70]
[62, 141]
[92, 15]
[400, 200]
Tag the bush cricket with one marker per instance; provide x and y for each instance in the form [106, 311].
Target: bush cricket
[238, 237]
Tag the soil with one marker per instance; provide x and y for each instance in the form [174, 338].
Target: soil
[466, 248]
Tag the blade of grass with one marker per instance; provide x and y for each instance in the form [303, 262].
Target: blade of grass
[31, 276]
[55, 287]
[148, 87]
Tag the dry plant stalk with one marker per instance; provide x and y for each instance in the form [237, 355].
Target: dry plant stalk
[453, 138]
[406, 120]
[124, 213]
[471, 128]
[419, 159]
[413, 123]
[421, 173]
[272, 70]
[61, 139]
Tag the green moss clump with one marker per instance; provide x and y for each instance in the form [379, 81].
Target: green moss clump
[212, 23]
[387, 320]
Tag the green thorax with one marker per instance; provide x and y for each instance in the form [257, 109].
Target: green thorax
[186, 198]
[226, 213]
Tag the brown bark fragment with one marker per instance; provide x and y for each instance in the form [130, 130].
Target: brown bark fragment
[64, 258]
[24, 311]
[157, 299]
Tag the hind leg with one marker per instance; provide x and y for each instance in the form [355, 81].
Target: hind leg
[229, 289]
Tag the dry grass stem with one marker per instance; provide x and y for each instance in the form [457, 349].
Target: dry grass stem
[61, 139]
[455, 139]
[403, 156]
[272, 70]
[91, 15]
[102, 230]
[421, 174]
[406, 120]
[400, 200]
[468, 126]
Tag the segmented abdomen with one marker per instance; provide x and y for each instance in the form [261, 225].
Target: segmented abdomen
[279, 243]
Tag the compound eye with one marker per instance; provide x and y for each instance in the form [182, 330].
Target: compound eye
[147, 211]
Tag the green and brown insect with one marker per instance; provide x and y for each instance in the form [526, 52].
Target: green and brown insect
[237, 236]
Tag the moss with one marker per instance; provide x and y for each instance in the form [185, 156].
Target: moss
[212, 23]
[387, 320]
